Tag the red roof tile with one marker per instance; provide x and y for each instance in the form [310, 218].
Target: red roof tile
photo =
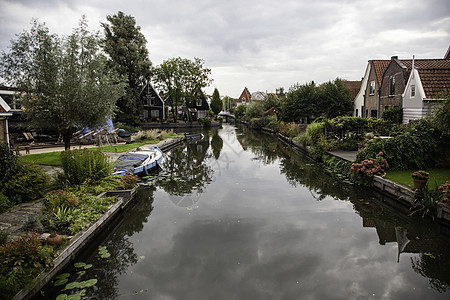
[434, 75]
[380, 66]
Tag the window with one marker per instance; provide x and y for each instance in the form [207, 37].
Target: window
[243, 99]
[155, 113]
[372, 87]
[373, 113]
[356, 112]
[386, 107]
[413, 91]
[391, 85]
[199, 102]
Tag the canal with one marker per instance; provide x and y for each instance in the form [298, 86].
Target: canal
[240, 215]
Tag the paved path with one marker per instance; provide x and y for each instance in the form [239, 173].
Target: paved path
[347, 155]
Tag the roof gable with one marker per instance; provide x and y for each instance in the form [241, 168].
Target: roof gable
[4, 107]
[379, 67]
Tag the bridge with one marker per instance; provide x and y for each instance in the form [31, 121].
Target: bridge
[227, 115]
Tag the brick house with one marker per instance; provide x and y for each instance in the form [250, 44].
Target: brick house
[244, 98]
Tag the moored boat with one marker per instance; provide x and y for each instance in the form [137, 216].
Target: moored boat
[139, 162]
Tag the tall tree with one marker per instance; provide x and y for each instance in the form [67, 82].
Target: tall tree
[216, 103]
[181, 81]
[302, 103]
[65, 83]
[128, 55]
[335, 99]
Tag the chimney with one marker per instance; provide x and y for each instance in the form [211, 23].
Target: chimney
[394, 57]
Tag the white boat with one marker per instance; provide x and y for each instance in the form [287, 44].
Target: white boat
[138, 162]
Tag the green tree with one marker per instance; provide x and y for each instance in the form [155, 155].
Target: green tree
[181, 81]
[216, 103]
[335, 99]
[64, 81]
[128, 55]
[302, 103]
[440, 117]
[227, 103]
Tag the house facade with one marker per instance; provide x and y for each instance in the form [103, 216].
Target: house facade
[393, 84]
[154, 106]
[428, 80]
[372, 90]
[199, 108]
[244, 98]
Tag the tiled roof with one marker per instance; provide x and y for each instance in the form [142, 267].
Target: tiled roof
[354, 87]
[434, 75]
[380, 66]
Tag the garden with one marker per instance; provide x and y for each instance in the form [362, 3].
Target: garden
[384, 147]
[70, 204]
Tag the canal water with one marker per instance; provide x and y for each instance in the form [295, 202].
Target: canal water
[240, 215]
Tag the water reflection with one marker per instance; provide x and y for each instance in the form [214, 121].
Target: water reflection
[258, 232]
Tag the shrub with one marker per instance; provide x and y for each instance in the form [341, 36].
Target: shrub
[206, 122]
[85, 166]
[28, 183]
[4, 203]
[59, 198]
[314, 132]
[129, 181]
[411, 150]
[290, 129]
[272, 123]
[20, 262]
[370, 167]
[393, 115]
[256, 123]
[8, 162]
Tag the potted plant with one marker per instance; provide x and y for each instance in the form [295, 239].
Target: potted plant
[420, 179]
[445, 189]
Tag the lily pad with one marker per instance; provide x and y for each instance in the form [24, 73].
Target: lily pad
[88, 266]
[81, 273]
[105, 255]
[62, 297]
[62, 276]
[60, 281]
[88, 283]
[74, 297]
[72, 285]
[79, 265]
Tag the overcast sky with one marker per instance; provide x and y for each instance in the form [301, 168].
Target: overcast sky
[261, 44]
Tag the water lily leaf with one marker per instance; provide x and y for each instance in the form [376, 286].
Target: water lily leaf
[88, 266]
[106, 255]
[74, 297]
[72, 285]
[79, 265]
[63, 275]
[81, 273]
[60, 281]
[62, 297]
[88, 283]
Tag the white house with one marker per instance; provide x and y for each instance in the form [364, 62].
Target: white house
[427, 82]
[5, 112]
[358, 110]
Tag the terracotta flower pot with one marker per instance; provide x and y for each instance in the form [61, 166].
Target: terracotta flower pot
[54, 239]
[420, 183]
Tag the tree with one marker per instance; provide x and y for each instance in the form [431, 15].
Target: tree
[181, 81]
[128, 55]
[335, 99]
[302, 103]
[216, 103]
[65, 83]
[227, 103]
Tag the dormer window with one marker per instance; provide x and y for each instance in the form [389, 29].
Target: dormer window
[392, 85]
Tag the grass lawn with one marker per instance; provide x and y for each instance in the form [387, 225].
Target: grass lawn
[438, 176]
[53, 158]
